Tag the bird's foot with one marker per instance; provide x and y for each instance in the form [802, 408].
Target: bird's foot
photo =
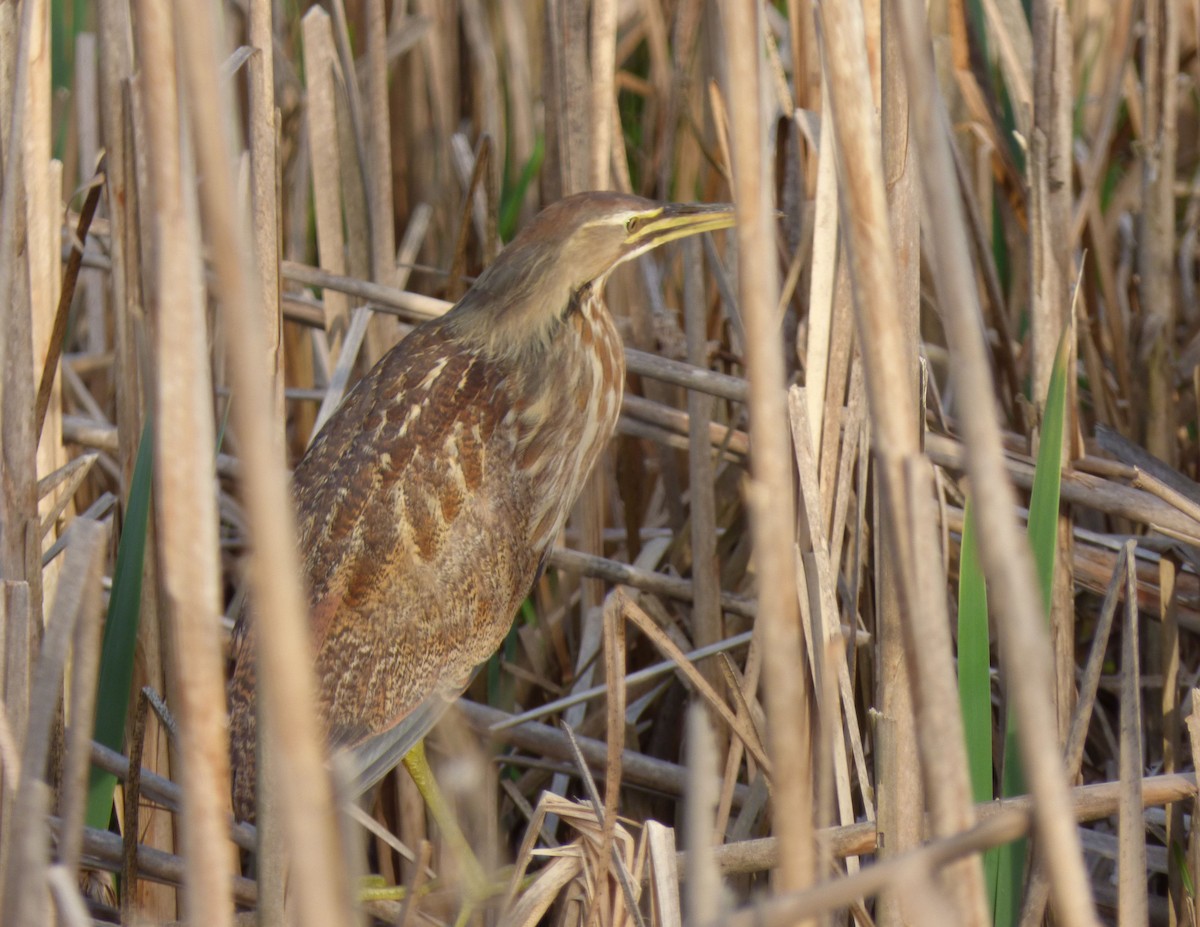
[475, 889]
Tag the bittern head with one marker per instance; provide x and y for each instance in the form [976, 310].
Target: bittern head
[517, 303]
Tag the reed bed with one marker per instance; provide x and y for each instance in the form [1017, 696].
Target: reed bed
[960, 300]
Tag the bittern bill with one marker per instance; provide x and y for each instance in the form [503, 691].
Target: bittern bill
[430, 499]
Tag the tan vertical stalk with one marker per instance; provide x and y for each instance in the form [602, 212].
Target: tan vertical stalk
[117, 122]
[898, 774]
[1004, 552]
[116, 67]
[384, 331]
[878, 310]
[185, 501]
[1132, 903]
[18, 496]
[909, 528]
[43, 209]
[1168, 612]
[20, 545]
[264, 170]
[263, 124]
[566, 78]
[706, 576]
[770, 491]
[87, 124]
[604, 51]
[1050, 161]
[1051, 276]
[23, 896]
[157, 825]
[1156, 241]
[284, 651]
[326, 168]
[591, 506]
[705, 896]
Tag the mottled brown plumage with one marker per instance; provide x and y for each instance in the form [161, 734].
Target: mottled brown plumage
[428, 501]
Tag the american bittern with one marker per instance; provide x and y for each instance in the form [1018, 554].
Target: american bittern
[429, 501]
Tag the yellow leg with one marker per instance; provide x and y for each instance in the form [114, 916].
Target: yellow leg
[477, 887]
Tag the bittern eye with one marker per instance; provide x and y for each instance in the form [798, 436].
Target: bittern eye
[631, 224]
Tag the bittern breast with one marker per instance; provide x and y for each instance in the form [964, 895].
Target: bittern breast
[570, 411]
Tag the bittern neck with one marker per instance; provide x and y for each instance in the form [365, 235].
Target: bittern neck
[513, 317]
[569, 401]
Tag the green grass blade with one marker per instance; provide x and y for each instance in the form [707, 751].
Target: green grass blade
[975, 684]
[120, 630]
[974, 663]
[1047, 477]
[1043, 540]
[512, 197]
[1005, 865]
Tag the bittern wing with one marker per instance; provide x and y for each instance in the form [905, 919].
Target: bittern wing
[413, 521]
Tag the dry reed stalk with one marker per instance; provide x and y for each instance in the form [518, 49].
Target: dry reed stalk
[327, 167]
[86, 97]
[707, 623]
[1120, 46]
[909, 529]
[85, 670]
[353, 162]
[1038, 890]
[285, 675]
[631, 610]
[999, 822]
[897, 767]
[265, 203]
[616, 702]
[20, 645]
[821, 290]
[1079, 488]
[1192, 864]
[23, 869]
[263, 124]
[185, 501]
[1010, 27]
[769, 495]
[116, 69]
[19, 540]
[940, 732]
[1004, 554]
[664, 875]
[1172, 721]
[150, 669]
[19, 536]
[1051, 304]
[42, 222]
[706, 896]
[1156, 239]
[603, 59]
[830, 680]
[69, 905]
[380, 196]
[1131, 890]
[121, 125]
